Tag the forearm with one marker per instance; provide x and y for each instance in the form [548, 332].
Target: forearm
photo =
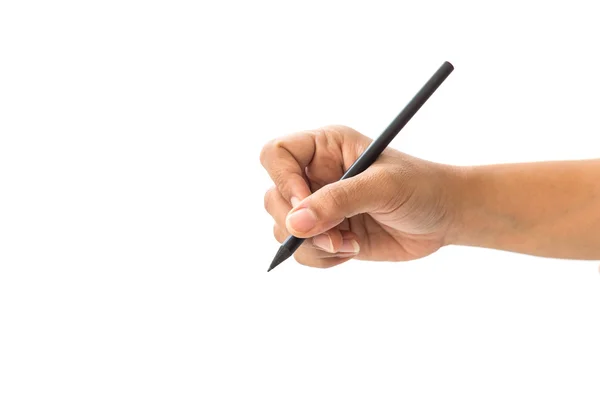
[549, 209]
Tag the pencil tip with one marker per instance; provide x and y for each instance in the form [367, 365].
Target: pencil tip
[282, 255]
[274, 263]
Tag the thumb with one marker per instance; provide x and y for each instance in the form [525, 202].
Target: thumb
[328, 206]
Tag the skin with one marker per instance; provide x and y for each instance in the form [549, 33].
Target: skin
[403, 208]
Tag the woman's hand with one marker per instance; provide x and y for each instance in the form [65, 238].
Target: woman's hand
[400, 208]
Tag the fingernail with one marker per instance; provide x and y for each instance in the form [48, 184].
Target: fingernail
[349, 246]
[302, 220]
[323, 242]
[295, 201]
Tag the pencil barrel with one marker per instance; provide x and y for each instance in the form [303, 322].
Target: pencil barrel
[370, 155]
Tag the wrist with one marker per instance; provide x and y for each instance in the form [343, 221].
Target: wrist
[461, 187]
[483, 201]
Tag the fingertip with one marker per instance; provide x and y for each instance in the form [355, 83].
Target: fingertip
[300, 222]
[294, 201]
[350, 244]
[330, 241]
[323, 242]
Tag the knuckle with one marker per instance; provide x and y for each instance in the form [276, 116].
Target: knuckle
[268, 198]
[341, 129]
[266, 150]
[344, 133]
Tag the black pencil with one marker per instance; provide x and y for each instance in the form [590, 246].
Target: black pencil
[368, 157]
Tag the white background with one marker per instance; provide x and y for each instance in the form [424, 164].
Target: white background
[133, 240]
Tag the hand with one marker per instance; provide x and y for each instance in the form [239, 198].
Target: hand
[399, 209]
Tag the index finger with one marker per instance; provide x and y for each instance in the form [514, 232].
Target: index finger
[285, 159]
